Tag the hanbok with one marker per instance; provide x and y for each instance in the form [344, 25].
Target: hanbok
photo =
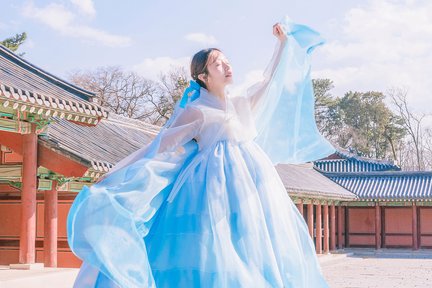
[203, 205]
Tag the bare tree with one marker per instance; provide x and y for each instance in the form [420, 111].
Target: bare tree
[428, 147]
[128, 94]
[414, 127]
[170, 88]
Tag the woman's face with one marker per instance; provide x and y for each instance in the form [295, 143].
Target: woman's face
[219, 70]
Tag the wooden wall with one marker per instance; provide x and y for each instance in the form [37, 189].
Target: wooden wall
[10, 228]
[397, 226]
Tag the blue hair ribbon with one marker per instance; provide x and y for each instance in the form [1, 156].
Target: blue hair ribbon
[191, 93]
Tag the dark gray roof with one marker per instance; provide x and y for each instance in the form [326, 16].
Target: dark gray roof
[388, 185]
[99, 146]
[303, 180]
[24, 84]
[345, 161]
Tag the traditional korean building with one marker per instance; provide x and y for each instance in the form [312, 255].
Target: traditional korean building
[30, 100]
[394, 207]
[320, 201]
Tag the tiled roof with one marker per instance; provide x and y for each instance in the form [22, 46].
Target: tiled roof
[344, 161]
[389, 185]
[27, 88]
[100, 146]
[303, 180]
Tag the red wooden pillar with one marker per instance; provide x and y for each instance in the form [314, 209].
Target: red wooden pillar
[310, 219]
[28, 198]
[300, 206]
[326, 229]
[414, 227]
[318, 225]
[340, 227]
[50, 227]
[377, 226]
[332, 227]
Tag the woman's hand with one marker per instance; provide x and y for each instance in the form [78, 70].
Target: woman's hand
[279, 32]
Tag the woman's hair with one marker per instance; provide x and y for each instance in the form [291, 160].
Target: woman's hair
[199, 64]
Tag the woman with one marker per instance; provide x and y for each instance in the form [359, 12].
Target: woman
[202, 205]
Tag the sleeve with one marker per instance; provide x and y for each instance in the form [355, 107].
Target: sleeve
[283, 104]
[257, 91]
[185, 128]
[108, 220]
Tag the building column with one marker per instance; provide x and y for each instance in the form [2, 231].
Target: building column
[50, 227]
[300, 207]
[377, 226]
[27, 250]
[414, 227]
[340, 227]
[332, 227]
[318, 226]
[310, 220]
[326, 229]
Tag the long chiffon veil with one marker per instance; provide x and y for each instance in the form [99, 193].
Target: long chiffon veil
[108, 221]
[285, 121]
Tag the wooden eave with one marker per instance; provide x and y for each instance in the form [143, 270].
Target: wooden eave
[23, 101]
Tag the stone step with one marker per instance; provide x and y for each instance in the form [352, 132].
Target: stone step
[42, 278]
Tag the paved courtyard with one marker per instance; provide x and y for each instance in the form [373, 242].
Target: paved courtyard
[385, 269]
[353, 268]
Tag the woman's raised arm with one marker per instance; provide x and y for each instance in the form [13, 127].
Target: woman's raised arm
[255, 92]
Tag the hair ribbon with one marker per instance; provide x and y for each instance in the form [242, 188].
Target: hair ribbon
[191, 93]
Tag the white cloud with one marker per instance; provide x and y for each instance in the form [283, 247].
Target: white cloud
[152, 68]
[201, 38]
[62, 20]
[382, 45]
[85, 6]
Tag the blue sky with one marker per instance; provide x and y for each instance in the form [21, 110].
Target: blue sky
[371, 44]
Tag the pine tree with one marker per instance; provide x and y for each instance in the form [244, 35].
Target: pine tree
[14, 42]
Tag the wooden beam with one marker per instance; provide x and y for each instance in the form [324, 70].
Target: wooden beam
[73, 186]
[50, 227]
[415, 241]
[15, 126]
[47, 158]
[318, 227]
[27, 251]
[11, 173]
[44, 184]
[300, 206]
[340, 227]
[346, 227]
[59, 163]
[13, 141]
[310, 219]
[377, 226]
[326, 229]
[332, 227]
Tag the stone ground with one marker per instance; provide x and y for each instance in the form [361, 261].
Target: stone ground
[361, 268]
[350, 268]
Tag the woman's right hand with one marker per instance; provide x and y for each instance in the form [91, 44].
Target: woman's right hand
[279, 32]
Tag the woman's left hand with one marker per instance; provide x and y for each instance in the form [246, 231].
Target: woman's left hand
[279, 32]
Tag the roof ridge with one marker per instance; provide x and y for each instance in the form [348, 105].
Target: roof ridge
[12, 57]
[123, 120]
[375, 173]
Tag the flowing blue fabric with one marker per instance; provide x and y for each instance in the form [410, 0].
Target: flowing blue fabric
[286, 125]
[203, 205]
